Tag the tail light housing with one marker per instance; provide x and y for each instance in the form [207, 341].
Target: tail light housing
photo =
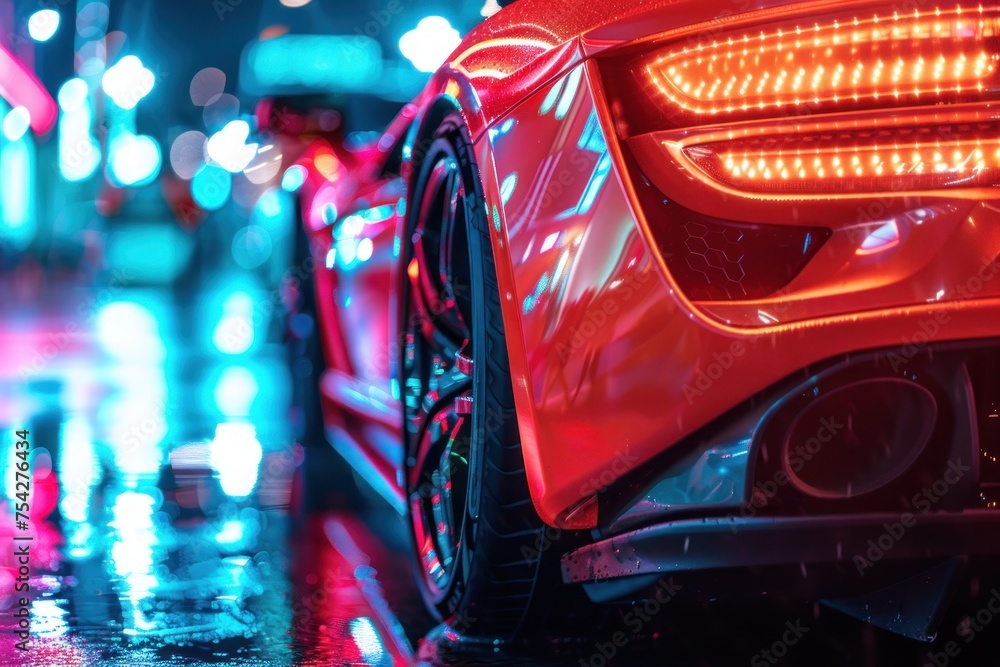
[848, 60]
[876, 160]
[803, 103]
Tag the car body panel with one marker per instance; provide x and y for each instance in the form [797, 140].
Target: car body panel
[611, 364]
[654, 369]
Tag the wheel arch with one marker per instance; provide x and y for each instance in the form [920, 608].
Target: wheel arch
[418, 140]
[421, 133]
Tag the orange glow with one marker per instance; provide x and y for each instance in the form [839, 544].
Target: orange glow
[452, 89]
[921, 57]
[913, 159]
[273, 31]
[327, 164]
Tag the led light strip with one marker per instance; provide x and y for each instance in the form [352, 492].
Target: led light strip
[944, 52]
[810, 163]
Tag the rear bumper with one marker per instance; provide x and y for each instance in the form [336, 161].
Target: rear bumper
[822, 555]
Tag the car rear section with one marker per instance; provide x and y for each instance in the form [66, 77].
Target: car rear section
[756, 280]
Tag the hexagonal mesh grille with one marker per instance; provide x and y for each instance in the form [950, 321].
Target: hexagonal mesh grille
[720, 260]
[716, 255]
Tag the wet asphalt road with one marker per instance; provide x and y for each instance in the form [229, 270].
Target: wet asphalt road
[174, 522]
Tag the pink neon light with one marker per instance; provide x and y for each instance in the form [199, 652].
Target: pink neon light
[22, 89]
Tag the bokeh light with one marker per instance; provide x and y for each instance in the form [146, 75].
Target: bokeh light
[293, 178]
[127, 82]
[92, 20]
[207, 86]
[265, 165]
[16, 123]
[211, 187]
[187, 154]
[221, 111]
[42, 25]
[134, 159]
[235, 391]
[79, 152]
[229, 148]
[17, 192]
[72, 94]
[251, 246]
[234, 332]
[130, 332]
[236, 454]
[429, 44]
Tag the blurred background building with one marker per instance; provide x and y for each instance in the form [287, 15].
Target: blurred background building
[129, 125]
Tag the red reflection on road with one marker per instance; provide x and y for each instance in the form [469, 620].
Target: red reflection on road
[340, 615]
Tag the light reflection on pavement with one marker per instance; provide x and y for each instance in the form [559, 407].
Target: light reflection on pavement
[162, 476]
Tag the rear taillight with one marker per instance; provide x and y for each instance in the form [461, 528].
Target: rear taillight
[920, 157]
[768, 115]
[845, 61]
[941, 55]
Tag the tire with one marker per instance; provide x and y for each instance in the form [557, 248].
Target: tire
[502, 559]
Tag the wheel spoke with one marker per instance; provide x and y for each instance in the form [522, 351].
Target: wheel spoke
[441, 342]
[433, 374]
[442, 398]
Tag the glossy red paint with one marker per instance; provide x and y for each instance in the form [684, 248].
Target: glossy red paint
[350, 204]
[612, 362]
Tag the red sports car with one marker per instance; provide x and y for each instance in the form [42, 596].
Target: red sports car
[696, 292]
